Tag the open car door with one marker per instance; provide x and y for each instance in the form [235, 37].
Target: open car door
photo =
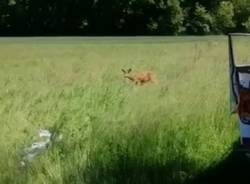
[240, 91]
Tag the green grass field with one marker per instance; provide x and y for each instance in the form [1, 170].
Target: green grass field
[114, 131]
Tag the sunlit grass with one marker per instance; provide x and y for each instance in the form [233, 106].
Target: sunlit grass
[114, 131]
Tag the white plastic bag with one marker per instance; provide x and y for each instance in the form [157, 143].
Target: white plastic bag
[44, 139]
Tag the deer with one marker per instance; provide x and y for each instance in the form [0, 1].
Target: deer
[139, 78]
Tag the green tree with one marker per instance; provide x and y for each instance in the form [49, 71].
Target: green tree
[17, 16]
[4, 15]
[171, 19]
[210, 5]
[58, 16]
[123, 17]
[242, 14]
[246, 25]
[107, 17]
[200, 20]
[224, 17]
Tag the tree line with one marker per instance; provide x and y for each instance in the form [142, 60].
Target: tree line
[123, 17]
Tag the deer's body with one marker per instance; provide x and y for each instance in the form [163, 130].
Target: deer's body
[140, 78]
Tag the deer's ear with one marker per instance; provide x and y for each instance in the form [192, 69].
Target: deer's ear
[129, 70]
[123, 71]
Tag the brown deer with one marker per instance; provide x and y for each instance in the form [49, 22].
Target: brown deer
[140, 78]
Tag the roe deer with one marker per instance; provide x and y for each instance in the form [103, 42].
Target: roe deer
[140, 77]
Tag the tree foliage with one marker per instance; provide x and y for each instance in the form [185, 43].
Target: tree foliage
[123, 17]
[170, 19]
[200, 20]
[224, 17]
[242, 14]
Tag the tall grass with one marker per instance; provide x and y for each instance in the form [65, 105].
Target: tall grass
[114, 131]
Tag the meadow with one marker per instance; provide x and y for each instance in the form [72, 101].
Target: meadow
[112, 130]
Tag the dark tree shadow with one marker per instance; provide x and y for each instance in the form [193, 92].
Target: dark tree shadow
[133, 170]
[139, 173]
[234, 169]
